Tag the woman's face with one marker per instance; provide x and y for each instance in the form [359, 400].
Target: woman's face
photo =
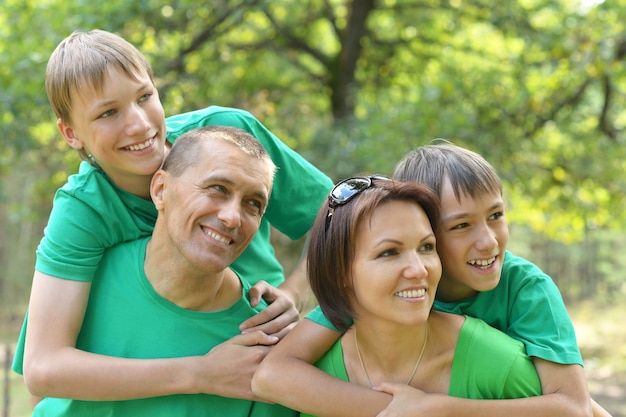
[396, 267]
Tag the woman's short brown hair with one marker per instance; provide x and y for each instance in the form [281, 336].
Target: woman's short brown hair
[332, 242]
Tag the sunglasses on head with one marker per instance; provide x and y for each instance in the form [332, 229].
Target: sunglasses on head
[346, 190]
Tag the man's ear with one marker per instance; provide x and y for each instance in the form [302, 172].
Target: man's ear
[157, 187]
[69, 135]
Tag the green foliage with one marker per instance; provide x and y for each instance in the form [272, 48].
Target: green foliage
[537, 86]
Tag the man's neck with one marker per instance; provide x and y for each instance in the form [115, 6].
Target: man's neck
[188, 287]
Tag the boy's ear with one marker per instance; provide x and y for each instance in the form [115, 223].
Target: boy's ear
[157, 187]
[68, 134]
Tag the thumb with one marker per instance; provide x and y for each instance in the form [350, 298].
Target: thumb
[254, 295]
[389, 387]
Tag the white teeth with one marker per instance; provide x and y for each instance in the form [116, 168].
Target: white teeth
[218, 237]
[482, 263]
[140, 146]
[411, 293]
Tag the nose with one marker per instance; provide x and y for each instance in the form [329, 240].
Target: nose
[485, 238]
[230, 213]
[137, 121]
[415, 268]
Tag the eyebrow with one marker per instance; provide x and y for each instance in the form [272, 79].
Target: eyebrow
[398, 242]
[210, 180]
[461, 215]
[110, 102]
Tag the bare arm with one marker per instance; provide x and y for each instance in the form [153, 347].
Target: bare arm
[53, 367]
[564, 388]
[598, 410]
[286, 376]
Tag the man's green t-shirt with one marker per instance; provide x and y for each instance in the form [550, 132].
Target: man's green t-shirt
[127, 318]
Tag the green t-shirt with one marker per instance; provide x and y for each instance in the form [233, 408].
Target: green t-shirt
[127, 318]
[526, 305]
[487, 364]
[91, 214]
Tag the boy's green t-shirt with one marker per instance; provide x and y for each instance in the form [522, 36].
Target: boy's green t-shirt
[127, 318]
[526, 305]
[91, 214]
[487, 364]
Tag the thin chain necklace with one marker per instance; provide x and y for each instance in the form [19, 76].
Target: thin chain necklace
[419, 358]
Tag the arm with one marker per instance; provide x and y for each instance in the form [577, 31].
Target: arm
[598, 411]
[564, 394]
[53, 367]
[286, 376]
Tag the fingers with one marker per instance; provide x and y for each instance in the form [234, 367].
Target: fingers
[280, 313]
[259, 290]
[255, 338]
[273, 320]
[283, 332]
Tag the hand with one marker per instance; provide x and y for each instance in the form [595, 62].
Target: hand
[228, 368]
[278, 318]
[407, 401]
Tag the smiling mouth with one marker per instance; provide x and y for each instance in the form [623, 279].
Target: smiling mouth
[411, 293]
[140, 146]
[217, 237]
[482, 263]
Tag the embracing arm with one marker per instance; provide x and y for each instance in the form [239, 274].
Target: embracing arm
[288, 377]
[54, 367]
[564, 394]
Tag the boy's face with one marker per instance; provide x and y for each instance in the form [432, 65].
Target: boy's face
[122, 126]
[471, 239]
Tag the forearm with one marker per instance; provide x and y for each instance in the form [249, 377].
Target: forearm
[80, 375]
[287, 376]
[549, 405]
[598, 410]
[297, 285]
[310, 390]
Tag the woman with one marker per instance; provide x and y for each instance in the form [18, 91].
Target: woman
[372, 261]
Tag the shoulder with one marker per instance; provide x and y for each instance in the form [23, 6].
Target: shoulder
[208, 116]
[488, 348]
[89, 187]
[516, 266]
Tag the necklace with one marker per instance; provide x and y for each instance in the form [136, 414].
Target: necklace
[419, 358]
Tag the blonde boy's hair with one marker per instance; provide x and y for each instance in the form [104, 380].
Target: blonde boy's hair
[82, 60]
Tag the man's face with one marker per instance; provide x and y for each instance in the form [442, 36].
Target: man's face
[213, 210]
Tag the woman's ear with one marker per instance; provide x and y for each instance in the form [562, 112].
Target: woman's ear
[69, 135]
[157, 187]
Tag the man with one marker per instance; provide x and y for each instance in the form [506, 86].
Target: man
[168, 300]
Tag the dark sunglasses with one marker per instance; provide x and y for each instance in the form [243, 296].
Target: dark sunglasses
[346, 190]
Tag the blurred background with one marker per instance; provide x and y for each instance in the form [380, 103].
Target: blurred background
[536, 86]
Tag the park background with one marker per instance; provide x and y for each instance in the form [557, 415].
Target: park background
[536, 86]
